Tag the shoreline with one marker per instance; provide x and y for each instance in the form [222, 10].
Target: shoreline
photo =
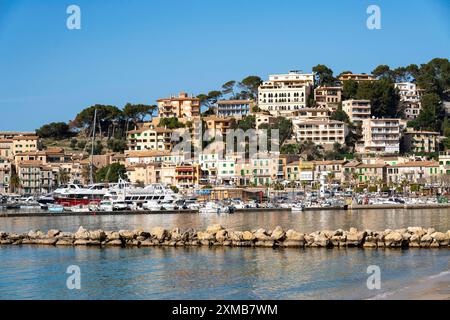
[147, 212]
[435, 287]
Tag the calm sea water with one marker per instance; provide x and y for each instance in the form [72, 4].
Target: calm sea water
[29, 272]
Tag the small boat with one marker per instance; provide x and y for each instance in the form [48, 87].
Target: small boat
[297, 207]
[55, 208]
[79, 208]
[152, 205]
[12, 206]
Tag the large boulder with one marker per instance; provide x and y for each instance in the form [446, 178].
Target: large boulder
[393, 239]
[214, 229]
[248, 236]
[426, 240]
[159, 233]
[417, 231]
[205, 236]
[262, 235]
[53, 233]
[99, 235]
[440, 238]
[278, 234]
[320, 240]
[81, 234]
[221, 236]
[414, 241]
[235, 236]
[35, 234]
[127, 234]
[292, 235]
[355, 238]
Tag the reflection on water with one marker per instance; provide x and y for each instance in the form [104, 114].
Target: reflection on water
[308, 221]
[209, 273]
[31, 272]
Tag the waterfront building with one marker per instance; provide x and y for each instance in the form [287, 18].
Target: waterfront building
[332, 167]
[417, 141]
[149, 138]
[292, 171]
[358, 77]
[36, 177]
[374, 173]
[322, 132]
[149, 173]
[379, 136]
[182, 107]
[444, 162]
[328, 97]
[284, 93]
[420, 172]
[306, 171]
[5, 176]
[234, 108]
[149, 156]
[187, 176]
[357, 110]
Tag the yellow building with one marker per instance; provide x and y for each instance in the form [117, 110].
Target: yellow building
[25, 144]
[182, 107]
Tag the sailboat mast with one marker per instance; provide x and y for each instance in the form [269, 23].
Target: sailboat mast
[91, 164]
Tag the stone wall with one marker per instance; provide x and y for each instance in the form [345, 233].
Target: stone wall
[216, 235]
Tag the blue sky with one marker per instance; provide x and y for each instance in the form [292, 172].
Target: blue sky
[140, 50]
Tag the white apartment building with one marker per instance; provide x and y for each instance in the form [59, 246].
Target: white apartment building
[149, 138]
[284, 93]
[328, 97]
[410, 96]
[357, 110]
[380, 136]
[322, 132]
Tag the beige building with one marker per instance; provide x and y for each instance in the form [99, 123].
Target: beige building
[414, 172]
[218, 125]
[333, 167]
[322, 132]
[149, 173]
[263, 118]
[284, 93]
[36, 177]
[380, 136]
[6, 149]
[143, 157]
[357, 110]
[182, 107]
[444, 162]
[420, 141]
[5, 176]
[149, 138]
[328, 97]
[356, 77]
[312, 114]
[24, 144]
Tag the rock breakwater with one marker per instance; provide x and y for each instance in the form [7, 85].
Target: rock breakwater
[216, 235]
